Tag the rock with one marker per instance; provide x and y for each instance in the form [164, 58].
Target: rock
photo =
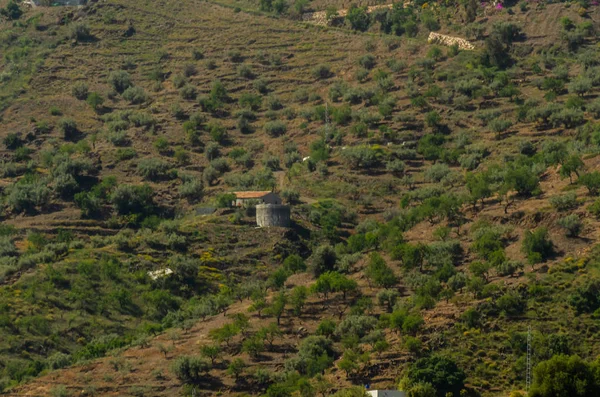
[449, 41]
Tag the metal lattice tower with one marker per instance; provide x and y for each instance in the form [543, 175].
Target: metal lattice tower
[528, 378]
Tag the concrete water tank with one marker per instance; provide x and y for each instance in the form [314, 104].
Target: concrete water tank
[268, 215]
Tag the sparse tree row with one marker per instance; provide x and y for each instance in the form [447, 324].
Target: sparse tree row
[443, 200]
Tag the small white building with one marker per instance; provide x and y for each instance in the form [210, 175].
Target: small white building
[386, 393]
[254, 197]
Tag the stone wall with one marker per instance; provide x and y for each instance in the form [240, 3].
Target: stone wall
[437, 38]
[269, 215]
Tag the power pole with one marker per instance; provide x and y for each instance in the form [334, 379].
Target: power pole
[528, 378]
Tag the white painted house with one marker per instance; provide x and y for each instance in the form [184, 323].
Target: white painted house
[253, 197]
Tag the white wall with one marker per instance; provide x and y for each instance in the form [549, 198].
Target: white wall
[386, 393]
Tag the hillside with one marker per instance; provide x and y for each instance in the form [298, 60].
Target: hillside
[444, 201]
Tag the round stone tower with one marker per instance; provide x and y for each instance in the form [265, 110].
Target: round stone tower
[268, 215]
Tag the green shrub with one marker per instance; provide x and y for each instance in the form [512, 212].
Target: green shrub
[26, 195]
[572, 225]
[512, 303]
[188, 92]
[585, 297]
[68, 127]
[537, 246]
[367, 61]
[235, 56]
[59, 391]
[571, 165]
[362, 75]
[189, 369]
[436, 172]
[275, 128]
[89, 204]
[10, 170]
[95, 101]
[179, 81]
[80, 91]
[120, 80]
[594, 208]
[12, 11]
[569, 118]
[274, 103]
[396, 167]
[189, 70]
[224, 200]
[118, 138]
[245, 71]
[509, 268]
[564, 202]
[12, 141]
[440, 371]
[210, 175]
[580, 86]
[261, 85]
[315, 354]
[81, 32]
[379, 272]
[294, 264]
[498, 126]
[358, 18]
[59, 360]
[365, 157]
[523, 180]
[142, 119]
[153, 169]
[135, 95]
[218, 133]
[7, 247]
[271, 162]
[250, 101]
[133, 199]
[220, 164]
[192, 189]
[591, 181]
[578, 377]
[321, 72]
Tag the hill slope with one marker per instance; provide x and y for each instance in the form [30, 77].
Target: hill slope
[448, 202]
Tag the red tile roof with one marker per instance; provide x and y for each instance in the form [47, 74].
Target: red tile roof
[250, 194]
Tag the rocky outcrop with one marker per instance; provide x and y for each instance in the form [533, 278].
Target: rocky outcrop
[320, 17]
[437, 38]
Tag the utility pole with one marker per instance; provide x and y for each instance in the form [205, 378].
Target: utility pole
[528, 378]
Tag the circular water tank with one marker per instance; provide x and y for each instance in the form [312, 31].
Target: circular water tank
[268, 215]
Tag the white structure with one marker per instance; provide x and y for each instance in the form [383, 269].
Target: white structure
[156, 274]
[51, 3]
[243, 198]
[386, 393]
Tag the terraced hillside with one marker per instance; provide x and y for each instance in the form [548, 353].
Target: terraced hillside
[444, 201]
